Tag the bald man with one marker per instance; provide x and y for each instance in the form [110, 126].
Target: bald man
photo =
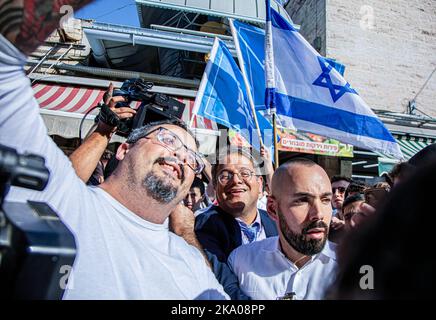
[300, 263]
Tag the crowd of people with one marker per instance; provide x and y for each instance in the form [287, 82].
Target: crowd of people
[157, 221]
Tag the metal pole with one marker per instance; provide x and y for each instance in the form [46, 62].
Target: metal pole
[276, 149]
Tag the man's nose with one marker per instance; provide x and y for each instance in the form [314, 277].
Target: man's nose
[180, 155]
[236, 179]
[316, 211]
[337, 193]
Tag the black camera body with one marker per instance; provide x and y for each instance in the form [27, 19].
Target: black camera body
[153, 107]
[37, 250]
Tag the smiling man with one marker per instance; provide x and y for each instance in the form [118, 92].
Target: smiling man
[300, 263]
[125, 249]
[236, 219]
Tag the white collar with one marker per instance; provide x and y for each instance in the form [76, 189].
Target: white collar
[258, 220]
[328, 252]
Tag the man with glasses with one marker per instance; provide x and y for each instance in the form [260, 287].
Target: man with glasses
[236, 219]
[339, 186]
[125, 249]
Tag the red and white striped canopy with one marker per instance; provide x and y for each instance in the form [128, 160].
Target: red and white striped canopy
[82, 99]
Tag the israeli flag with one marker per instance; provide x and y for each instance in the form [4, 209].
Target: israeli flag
[310, 95]
[222, 97]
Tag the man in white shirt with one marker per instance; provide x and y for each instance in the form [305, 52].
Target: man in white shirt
[300, 263]
[125, 250]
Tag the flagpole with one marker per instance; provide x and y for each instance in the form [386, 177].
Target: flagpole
[244, 76]
[203, 82]
[270, 78]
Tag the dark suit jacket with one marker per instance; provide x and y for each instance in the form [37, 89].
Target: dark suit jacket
[219, 233]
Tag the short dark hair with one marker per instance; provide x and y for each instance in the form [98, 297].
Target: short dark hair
[401, 170]
[198, 183]
[356, 186]
[336, 178]
[141, 132]
[351, 199]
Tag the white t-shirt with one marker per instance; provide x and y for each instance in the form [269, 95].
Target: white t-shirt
[265, 273]
[119, 254]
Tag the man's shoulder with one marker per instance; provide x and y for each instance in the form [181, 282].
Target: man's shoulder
[212, 213]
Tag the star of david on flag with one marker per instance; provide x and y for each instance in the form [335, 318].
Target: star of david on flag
[310, 95]
[325, 81]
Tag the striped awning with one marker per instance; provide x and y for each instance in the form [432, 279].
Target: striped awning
[63, 108]
[81, 99]
[413, 145]
[409, 145]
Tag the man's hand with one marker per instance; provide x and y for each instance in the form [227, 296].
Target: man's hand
[268, 167]
[266, 157]
[28, 23]
[336, 223]
[182, 221]
[365, 213]
[122, 113]
[87, 156]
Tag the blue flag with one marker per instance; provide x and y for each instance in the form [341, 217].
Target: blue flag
[251, 41]
[222, 97]
[311, 95]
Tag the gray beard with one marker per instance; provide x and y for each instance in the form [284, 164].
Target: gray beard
[159, 189]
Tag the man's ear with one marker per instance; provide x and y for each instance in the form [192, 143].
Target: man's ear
[122, 150]
[260, 181]
[271, 208]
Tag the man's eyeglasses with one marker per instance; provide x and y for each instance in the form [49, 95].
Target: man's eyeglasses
[340, 190]
[173, 143]
[225, 176]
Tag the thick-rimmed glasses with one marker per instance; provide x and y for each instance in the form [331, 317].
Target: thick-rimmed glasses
[173, 143]
[244, 174]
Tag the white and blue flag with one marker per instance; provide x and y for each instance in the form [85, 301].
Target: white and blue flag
[222, 97]
[252, 44]
[310, 95]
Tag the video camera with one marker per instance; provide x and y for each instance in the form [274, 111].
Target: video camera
[34, 244]
[153, 107]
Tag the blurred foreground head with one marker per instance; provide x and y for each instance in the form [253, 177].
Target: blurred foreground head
[394, 252]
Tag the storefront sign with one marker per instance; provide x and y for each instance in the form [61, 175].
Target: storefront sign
[304, 142]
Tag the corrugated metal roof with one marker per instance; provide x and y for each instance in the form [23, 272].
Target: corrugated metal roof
[246, 10]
